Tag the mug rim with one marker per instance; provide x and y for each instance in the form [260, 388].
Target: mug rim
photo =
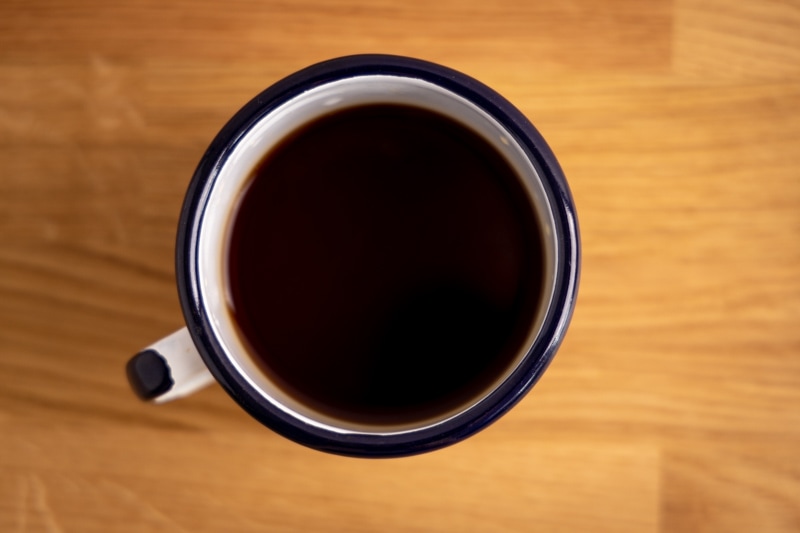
[499, 400]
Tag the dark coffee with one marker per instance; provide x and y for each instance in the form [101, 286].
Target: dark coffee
[385, 265]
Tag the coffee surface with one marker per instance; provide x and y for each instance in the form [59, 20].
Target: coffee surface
[385, 265]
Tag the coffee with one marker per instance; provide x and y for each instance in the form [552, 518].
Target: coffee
[384, 265]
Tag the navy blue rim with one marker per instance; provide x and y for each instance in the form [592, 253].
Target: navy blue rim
[462, 425]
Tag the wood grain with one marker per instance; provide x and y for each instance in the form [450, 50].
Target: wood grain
[674, 403]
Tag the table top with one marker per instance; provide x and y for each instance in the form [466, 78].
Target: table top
[674, 402]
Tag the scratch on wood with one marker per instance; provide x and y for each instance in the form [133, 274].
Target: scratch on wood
[108, 104]
[145, 506]
[42, 507]
[99, 184]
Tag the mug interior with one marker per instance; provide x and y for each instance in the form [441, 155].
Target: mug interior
[250, 149]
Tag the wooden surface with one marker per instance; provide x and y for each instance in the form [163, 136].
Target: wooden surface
[674, 403]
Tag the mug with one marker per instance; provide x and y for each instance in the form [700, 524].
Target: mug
[377, 256]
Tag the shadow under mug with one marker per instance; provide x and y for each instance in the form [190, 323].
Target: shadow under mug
[212, 346]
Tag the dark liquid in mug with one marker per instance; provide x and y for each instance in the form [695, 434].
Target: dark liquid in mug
[385, 265]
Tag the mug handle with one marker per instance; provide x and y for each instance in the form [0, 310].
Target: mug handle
[168, 369]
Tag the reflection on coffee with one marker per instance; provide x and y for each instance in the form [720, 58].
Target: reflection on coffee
[385, 264]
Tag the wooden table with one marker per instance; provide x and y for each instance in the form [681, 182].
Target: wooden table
[674, 403]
